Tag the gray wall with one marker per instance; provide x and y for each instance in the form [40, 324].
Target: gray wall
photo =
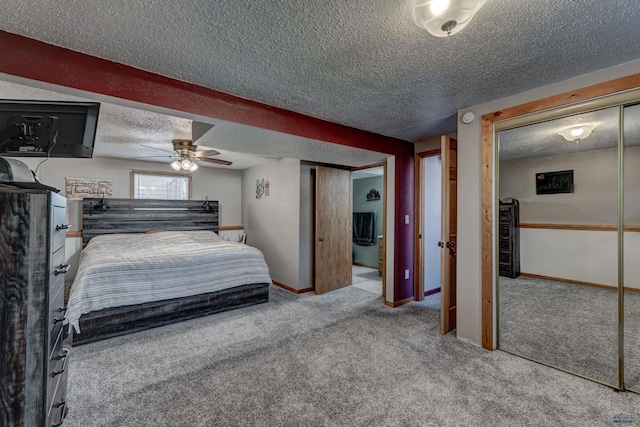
[272, 223]
[368, 255]
[595, 197]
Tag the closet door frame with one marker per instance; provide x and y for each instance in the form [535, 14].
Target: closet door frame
[618, 93]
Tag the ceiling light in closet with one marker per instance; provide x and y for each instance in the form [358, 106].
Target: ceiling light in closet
[443, 18]
[576, 133]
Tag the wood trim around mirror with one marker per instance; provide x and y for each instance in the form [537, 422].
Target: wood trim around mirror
[488, 120]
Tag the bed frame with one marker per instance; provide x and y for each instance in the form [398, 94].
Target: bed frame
[109, 216]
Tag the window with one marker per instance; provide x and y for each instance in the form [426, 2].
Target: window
[160, 185]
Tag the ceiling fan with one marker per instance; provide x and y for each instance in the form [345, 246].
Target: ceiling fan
[186, 154]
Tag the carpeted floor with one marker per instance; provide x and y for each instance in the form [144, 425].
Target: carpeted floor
[337, 359]
[571, 326]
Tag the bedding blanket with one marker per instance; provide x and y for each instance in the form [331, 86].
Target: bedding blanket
[128, 269]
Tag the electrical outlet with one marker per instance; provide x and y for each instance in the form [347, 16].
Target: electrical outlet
[406, 274]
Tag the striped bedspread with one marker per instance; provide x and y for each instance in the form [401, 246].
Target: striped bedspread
[128, 269]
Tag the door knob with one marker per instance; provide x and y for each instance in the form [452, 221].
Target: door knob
[321, 239]
[450, 245]
[441, 244]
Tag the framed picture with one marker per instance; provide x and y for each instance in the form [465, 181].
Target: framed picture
[554, 182]
[241, 238]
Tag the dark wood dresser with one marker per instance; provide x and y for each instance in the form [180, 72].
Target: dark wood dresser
[33, 360]
[509, 238]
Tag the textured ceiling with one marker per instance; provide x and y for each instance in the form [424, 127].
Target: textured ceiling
[125, 132]
[362, 63]
[543, 140]
[368, 173]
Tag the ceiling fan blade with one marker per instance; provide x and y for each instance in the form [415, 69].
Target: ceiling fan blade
[207, 153]
[159, 149]
[153, 157]
[217, 161]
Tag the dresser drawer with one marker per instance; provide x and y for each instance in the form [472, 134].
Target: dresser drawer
[56, 307]
[57, 406]
[58, 363]
[58, 227]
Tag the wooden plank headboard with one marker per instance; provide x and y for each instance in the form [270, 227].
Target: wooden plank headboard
[109, 216]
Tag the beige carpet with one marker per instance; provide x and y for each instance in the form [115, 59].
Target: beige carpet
[337, 359]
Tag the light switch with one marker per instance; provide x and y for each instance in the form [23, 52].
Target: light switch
[406, 274]
[406, 219]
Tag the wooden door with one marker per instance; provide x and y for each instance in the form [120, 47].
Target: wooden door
[333, 229]
[449, 234]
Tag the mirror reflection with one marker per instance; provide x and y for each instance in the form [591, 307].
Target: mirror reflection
[632, 247]
[558, 243]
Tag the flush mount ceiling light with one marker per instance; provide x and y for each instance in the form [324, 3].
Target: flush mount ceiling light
[578, 132]
[443, 18]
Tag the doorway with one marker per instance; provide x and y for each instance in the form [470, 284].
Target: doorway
[368, 243]
[436, 212]
[430, 208]
[333, 228]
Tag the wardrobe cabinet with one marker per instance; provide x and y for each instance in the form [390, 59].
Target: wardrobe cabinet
[509, 238]
[33, 358]
[381, 251]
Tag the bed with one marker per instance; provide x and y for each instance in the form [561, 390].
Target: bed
[133, 277]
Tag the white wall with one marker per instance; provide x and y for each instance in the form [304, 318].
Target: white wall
[272, 223]
[219, 184]
[432, 212]
[589, 256]
[469, 272]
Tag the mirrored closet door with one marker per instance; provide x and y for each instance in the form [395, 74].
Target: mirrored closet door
[557, 243]
[632, 247]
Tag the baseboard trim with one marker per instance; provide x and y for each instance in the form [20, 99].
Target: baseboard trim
[431, 292]
[359, 264]
[579, 227]
[395, 304]
[577, 282]
[290, 289]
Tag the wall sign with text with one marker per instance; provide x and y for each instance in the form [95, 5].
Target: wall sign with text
[77, 188]
[554, 182]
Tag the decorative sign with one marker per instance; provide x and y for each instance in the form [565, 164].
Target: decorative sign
[373, 195]
[259, 188]
[78, 188]
[554, 182]
[262, 188]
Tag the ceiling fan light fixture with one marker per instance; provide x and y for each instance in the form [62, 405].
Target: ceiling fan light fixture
[186, 164]
[578, 132]
[176, 165]
[443, 18]
[193, 167]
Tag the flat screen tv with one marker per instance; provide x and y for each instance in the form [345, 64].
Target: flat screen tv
[47, 129]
